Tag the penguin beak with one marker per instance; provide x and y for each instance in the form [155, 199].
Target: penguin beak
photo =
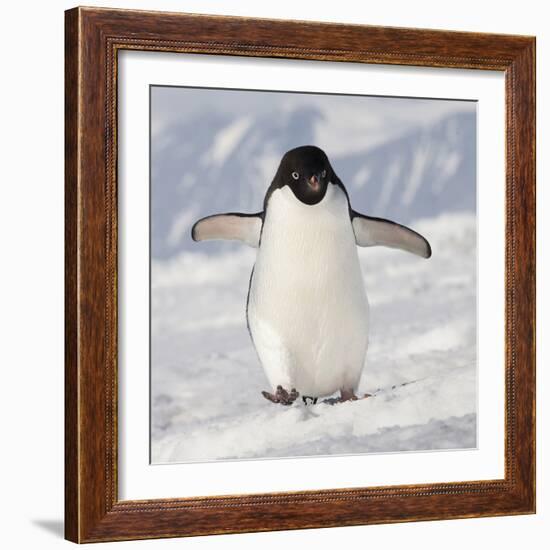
[313, 183]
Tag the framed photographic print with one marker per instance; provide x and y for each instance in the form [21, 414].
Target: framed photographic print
[300, 275]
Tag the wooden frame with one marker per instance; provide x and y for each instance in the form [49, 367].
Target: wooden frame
[93, 511]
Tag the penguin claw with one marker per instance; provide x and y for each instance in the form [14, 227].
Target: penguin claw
[282, 396]
[270, 397]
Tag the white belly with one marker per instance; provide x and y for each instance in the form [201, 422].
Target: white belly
[308, 310]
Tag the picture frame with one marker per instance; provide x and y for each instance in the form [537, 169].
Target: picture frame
[94, 38]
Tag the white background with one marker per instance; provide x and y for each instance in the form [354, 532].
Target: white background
[31, 219]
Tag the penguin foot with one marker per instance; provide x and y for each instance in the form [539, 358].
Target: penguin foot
[347, 395]
[306, 397]
[282, 396]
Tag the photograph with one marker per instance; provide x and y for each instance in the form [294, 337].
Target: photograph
[313, 274]
[299, 277]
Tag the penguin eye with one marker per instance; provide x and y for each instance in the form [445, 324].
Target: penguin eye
[295, 175]
[323, 173]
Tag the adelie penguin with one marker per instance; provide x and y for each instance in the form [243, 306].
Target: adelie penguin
[307, 309]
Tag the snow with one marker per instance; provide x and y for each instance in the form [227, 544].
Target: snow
[422, 156]
[420, 368]
[391, 181]
[226, 141]
[362, 177]
[180, 226]
[346, 125]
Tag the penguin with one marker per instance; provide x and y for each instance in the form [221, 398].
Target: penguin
[307, 310]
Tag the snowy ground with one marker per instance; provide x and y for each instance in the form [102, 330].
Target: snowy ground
[420, 367]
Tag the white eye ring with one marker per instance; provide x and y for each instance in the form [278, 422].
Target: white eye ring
[323, 173]
[295, 175]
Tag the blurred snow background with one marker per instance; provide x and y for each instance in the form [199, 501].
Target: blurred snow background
[411, 160]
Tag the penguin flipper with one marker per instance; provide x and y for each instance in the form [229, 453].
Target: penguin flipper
[232, 226]
[380, 232]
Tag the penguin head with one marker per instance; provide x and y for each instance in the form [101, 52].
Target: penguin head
[307, 171]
